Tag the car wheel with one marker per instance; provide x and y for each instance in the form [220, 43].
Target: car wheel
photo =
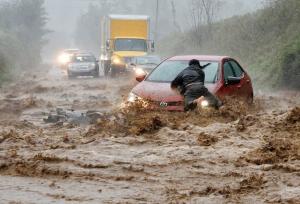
[250, 99]
[96, 75]
[106, 69]
[113, 72]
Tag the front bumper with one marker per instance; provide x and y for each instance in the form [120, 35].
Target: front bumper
[168, 106]
[119, 67]
[82, 72]
[164, 106]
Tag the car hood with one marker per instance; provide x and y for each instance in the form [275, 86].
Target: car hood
[82, 64]
[157, 91]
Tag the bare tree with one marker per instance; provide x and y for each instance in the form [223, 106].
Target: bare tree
[174, 13]
[203, 12]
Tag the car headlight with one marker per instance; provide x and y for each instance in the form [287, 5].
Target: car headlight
[204, 103]
[64, 58]
[132, 97]
[117, 61]
[103, 57]
[140, 72]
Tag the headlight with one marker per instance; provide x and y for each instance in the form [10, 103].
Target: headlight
[140, 72]
[132, 98]
[64, 58]
[116, 60]
[204, 103]
[103, 57]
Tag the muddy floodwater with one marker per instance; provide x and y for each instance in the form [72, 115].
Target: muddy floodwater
[51, 153]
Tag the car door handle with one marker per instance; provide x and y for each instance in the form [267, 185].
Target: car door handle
[239, 86]
[248, 81]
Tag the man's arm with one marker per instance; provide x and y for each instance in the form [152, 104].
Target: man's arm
[206, 65]
[177, 81]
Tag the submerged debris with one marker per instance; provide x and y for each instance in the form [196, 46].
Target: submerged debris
[206, 139]
[74, 117]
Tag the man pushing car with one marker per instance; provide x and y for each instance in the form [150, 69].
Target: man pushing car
[190, 83]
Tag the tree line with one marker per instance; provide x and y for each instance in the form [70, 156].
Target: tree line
[22, 31]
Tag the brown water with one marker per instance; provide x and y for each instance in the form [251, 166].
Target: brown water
[239, 154]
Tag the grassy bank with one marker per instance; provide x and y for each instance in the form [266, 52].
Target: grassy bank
[266, 42]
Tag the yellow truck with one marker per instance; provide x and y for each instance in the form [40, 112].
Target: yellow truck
[123, 38]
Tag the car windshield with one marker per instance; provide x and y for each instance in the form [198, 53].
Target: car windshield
[84, 58]
[148, 60]
[168, 70]
[130, 45]
[71, 51]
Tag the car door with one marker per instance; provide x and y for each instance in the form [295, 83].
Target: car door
[228, 72]
[242, 88]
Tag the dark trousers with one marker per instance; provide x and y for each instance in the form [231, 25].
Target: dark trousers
[194, 92]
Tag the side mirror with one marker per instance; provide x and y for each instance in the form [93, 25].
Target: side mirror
[141, 77]
[108, 45]
[152, 46]
[233, 80]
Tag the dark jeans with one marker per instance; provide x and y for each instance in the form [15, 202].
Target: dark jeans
[196, 91]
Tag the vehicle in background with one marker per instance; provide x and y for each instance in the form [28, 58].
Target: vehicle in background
[65, 56]
[223, 77]
[83, 64]
[123, 38]
[144, 64]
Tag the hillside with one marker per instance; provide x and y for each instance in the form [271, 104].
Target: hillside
[267, 43]
[22, 30]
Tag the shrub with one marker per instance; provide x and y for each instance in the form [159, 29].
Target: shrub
[22, 30]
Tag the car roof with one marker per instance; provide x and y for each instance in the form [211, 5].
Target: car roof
[199, 57]
[84, 54]
[129, 17]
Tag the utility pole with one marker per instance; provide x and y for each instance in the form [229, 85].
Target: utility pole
[156, 20]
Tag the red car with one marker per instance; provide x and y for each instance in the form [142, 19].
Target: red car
[223, 77]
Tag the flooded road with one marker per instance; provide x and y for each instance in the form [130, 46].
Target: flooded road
[238, 155]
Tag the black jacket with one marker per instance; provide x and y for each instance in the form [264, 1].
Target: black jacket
[190, 75]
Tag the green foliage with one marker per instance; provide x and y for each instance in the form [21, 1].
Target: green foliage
[266, 42]
[21, 34]
[290, 64]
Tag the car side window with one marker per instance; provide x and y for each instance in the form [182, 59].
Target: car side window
[238, 71]
[228, 72]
